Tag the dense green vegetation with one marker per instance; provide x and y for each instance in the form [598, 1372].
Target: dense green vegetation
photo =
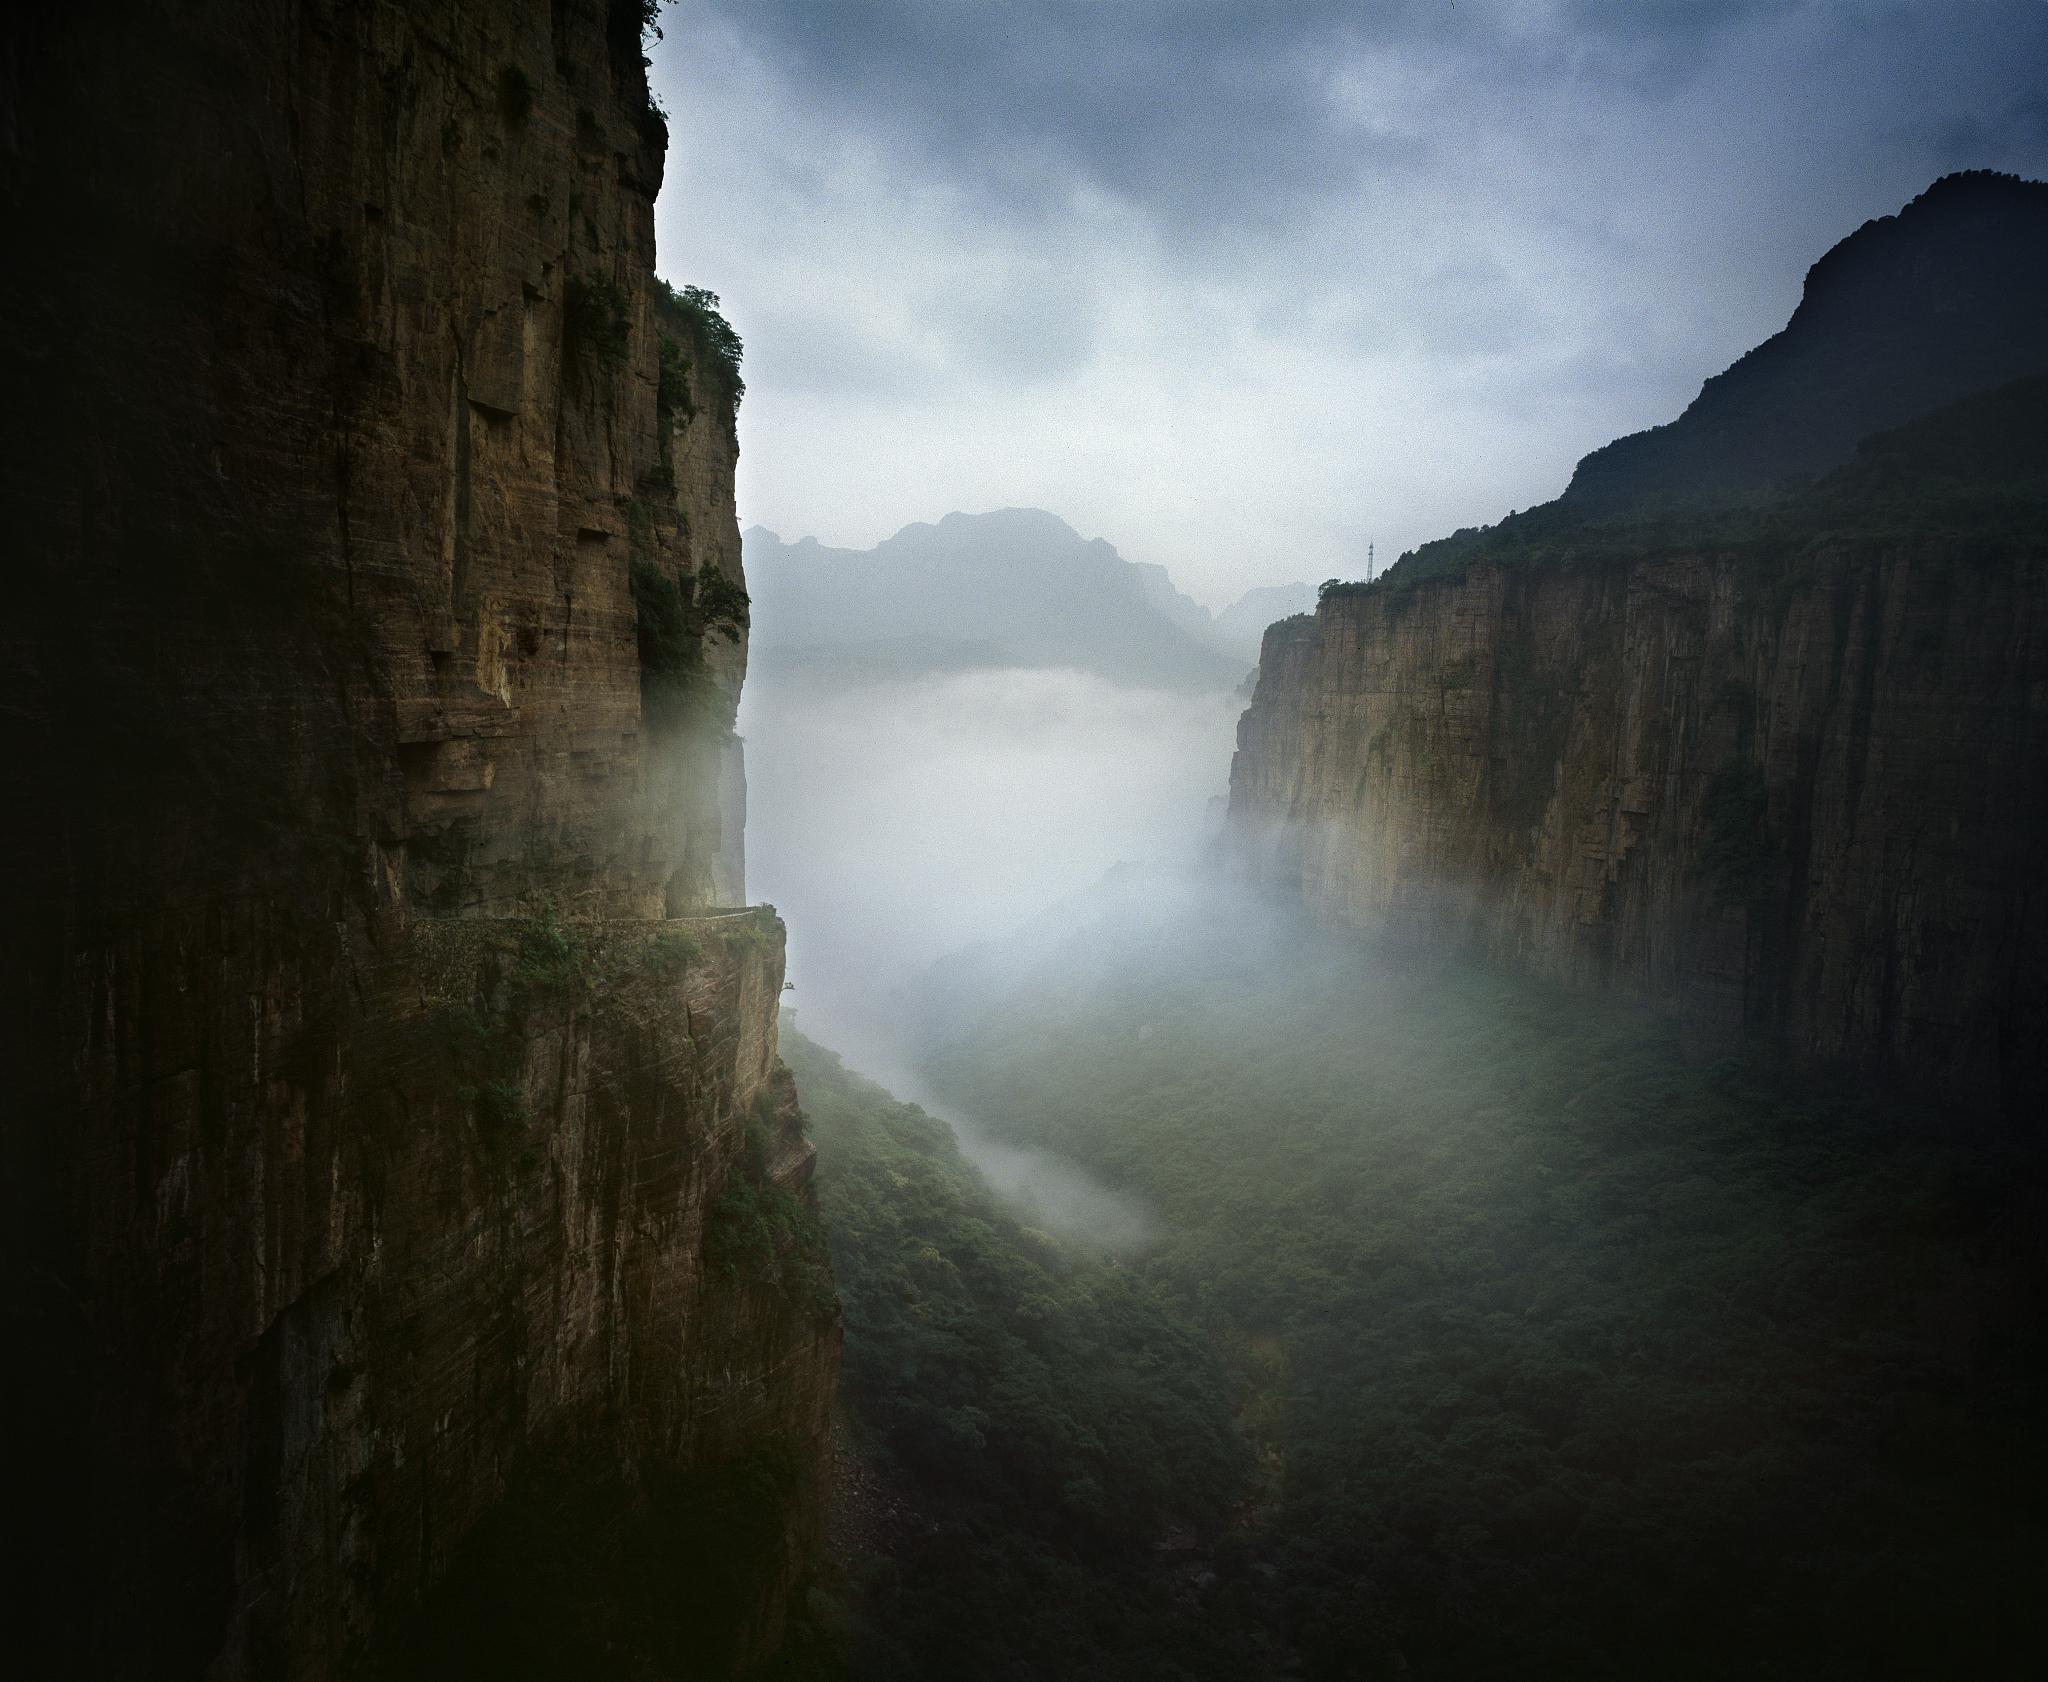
[764, 1232]
[1548, 1353]
[1048, 1430]
[554, 956]
[672, 382]
[722, 603]
[670, 647]
[696, 312]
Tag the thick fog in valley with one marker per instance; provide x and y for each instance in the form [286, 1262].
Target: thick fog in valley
[950, 739]
[1064, 842]
[897, 821]
[1311, 1296]
[893, 822]
[953, 732]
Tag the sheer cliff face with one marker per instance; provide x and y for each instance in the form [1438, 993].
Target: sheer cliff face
[1776, 761]
[1803, 800]
[370, 1123]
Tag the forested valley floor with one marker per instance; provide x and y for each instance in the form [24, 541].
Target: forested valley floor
[1479, 1334]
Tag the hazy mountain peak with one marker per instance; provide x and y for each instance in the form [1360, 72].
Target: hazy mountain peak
[1160, 590]
[1241, 626]
[1014, 520]
[1014, 586]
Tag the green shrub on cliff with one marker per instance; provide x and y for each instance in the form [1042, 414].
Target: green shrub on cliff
[722, 603]
[652, 125]
[474, 1055]
[759, 931]
[698, 312]
[672, 384]
[673, 953]
[759, 1231]
[553, 956]
[669, 626]
[671, 658]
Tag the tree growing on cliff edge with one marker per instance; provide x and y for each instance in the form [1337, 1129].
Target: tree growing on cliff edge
[700, 308]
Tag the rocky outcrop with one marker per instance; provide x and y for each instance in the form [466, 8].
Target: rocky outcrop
[1798, 799]
[379, 1075]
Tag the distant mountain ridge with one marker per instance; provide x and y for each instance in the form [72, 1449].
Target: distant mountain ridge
[1015, 587]
[1908, 313]
[1243, 623]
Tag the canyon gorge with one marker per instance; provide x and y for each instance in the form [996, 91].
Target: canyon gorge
[1528, 1176]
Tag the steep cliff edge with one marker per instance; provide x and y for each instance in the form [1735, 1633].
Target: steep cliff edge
[1781, 770]
[392, 1112]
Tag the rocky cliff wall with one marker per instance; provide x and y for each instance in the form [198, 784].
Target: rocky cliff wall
[375, 1084]
[1802, 798]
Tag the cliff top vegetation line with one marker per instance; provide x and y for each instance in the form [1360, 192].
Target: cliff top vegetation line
[1973, 470]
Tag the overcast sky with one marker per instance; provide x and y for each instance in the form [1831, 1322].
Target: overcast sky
[1242, 287]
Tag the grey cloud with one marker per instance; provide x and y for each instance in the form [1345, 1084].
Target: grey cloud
[1189, 111]
[830, 350]
[1973, 139]
[1458, 309]
[1192, 110]
[1470, 307]
[1036, 325]
[1229, 278]
[1666, 18]
[1030, 320]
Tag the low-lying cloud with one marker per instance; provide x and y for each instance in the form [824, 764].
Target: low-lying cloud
[895, 822]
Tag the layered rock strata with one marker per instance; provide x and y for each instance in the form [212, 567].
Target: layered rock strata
[1804, 799]
[379, 1070]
